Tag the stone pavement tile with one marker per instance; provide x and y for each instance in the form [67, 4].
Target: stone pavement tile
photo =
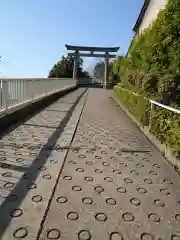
[114, 183]
[30, 165]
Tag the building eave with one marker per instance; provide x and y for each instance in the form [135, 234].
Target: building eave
[141, 15]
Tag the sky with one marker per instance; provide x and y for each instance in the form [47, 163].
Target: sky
[33, 33]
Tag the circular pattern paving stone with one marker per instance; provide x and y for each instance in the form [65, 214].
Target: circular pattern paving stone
[145, 159]
[101, 217]
[79, 170]
[153, 173]
[67, 178]
[165, 191]
[108, 179]
[121, 190]
[156, 165]
[8, 185]
[167, 181]
[53, 161]
[148, 181]
[177, 217]
[105, 164]
[128, 180]
[104, 152]
[135, 201]
[53, 233]
[123, 164]
[175, 237]
[117, 171]
[130, 159]
[119, 153]
[16, 212]
[82, 156]
[128, 217]
[141, 190]
[77, 188]
[37, 198]
[140, 165]
[7, 174]
[88, 179]
[116, 236]
[72, 162]
[99, 189]
[19, 160]
[135, 172]
[154, 217]
[84, 235]
[31, 185]
[20, 233]
[159, 203]
[147, 236]
[110, 201]
[72, 216]
[87, 200]
[89, 163]
[62, 199]
[97, 170]
[47, 176]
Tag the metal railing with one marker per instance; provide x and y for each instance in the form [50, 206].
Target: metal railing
[15, 93]
[153, 104]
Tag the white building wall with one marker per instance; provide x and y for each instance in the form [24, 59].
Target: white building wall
[151, 13]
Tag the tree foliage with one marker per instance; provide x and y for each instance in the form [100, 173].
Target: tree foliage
[98, 70]
[64, 68]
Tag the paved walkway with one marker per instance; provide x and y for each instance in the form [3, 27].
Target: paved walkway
[109, 182]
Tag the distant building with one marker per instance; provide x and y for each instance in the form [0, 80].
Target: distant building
[148, 14]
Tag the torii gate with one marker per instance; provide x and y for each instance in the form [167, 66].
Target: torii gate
[106, 54]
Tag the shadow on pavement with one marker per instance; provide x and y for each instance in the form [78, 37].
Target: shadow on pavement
[20, 190]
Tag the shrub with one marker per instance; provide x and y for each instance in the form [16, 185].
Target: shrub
[166, 127]
[153, 61]
[152, 68]
[139, 107]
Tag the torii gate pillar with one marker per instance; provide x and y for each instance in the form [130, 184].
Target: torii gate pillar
[75, 67]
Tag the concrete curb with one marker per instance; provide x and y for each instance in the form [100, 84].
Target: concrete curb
[165, 150]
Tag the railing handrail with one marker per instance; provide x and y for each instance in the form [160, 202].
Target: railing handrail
[11, 79]
[152, 101]
[18, 92]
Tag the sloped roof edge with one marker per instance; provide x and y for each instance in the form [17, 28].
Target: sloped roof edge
[141, 15]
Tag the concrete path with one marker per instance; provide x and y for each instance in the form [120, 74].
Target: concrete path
[109, 182]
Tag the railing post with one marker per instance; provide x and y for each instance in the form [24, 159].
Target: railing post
[106, 74]
[150, 115]
[5, 95]
[32, 89]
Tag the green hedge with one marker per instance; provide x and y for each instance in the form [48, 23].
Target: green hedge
[152, 69]
[153, 61]
[138, 106]
[166, 127]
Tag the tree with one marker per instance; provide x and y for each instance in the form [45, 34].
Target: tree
[64, 68]
[98, 71]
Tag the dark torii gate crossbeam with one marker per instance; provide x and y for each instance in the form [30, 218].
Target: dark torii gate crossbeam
[100, 52]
